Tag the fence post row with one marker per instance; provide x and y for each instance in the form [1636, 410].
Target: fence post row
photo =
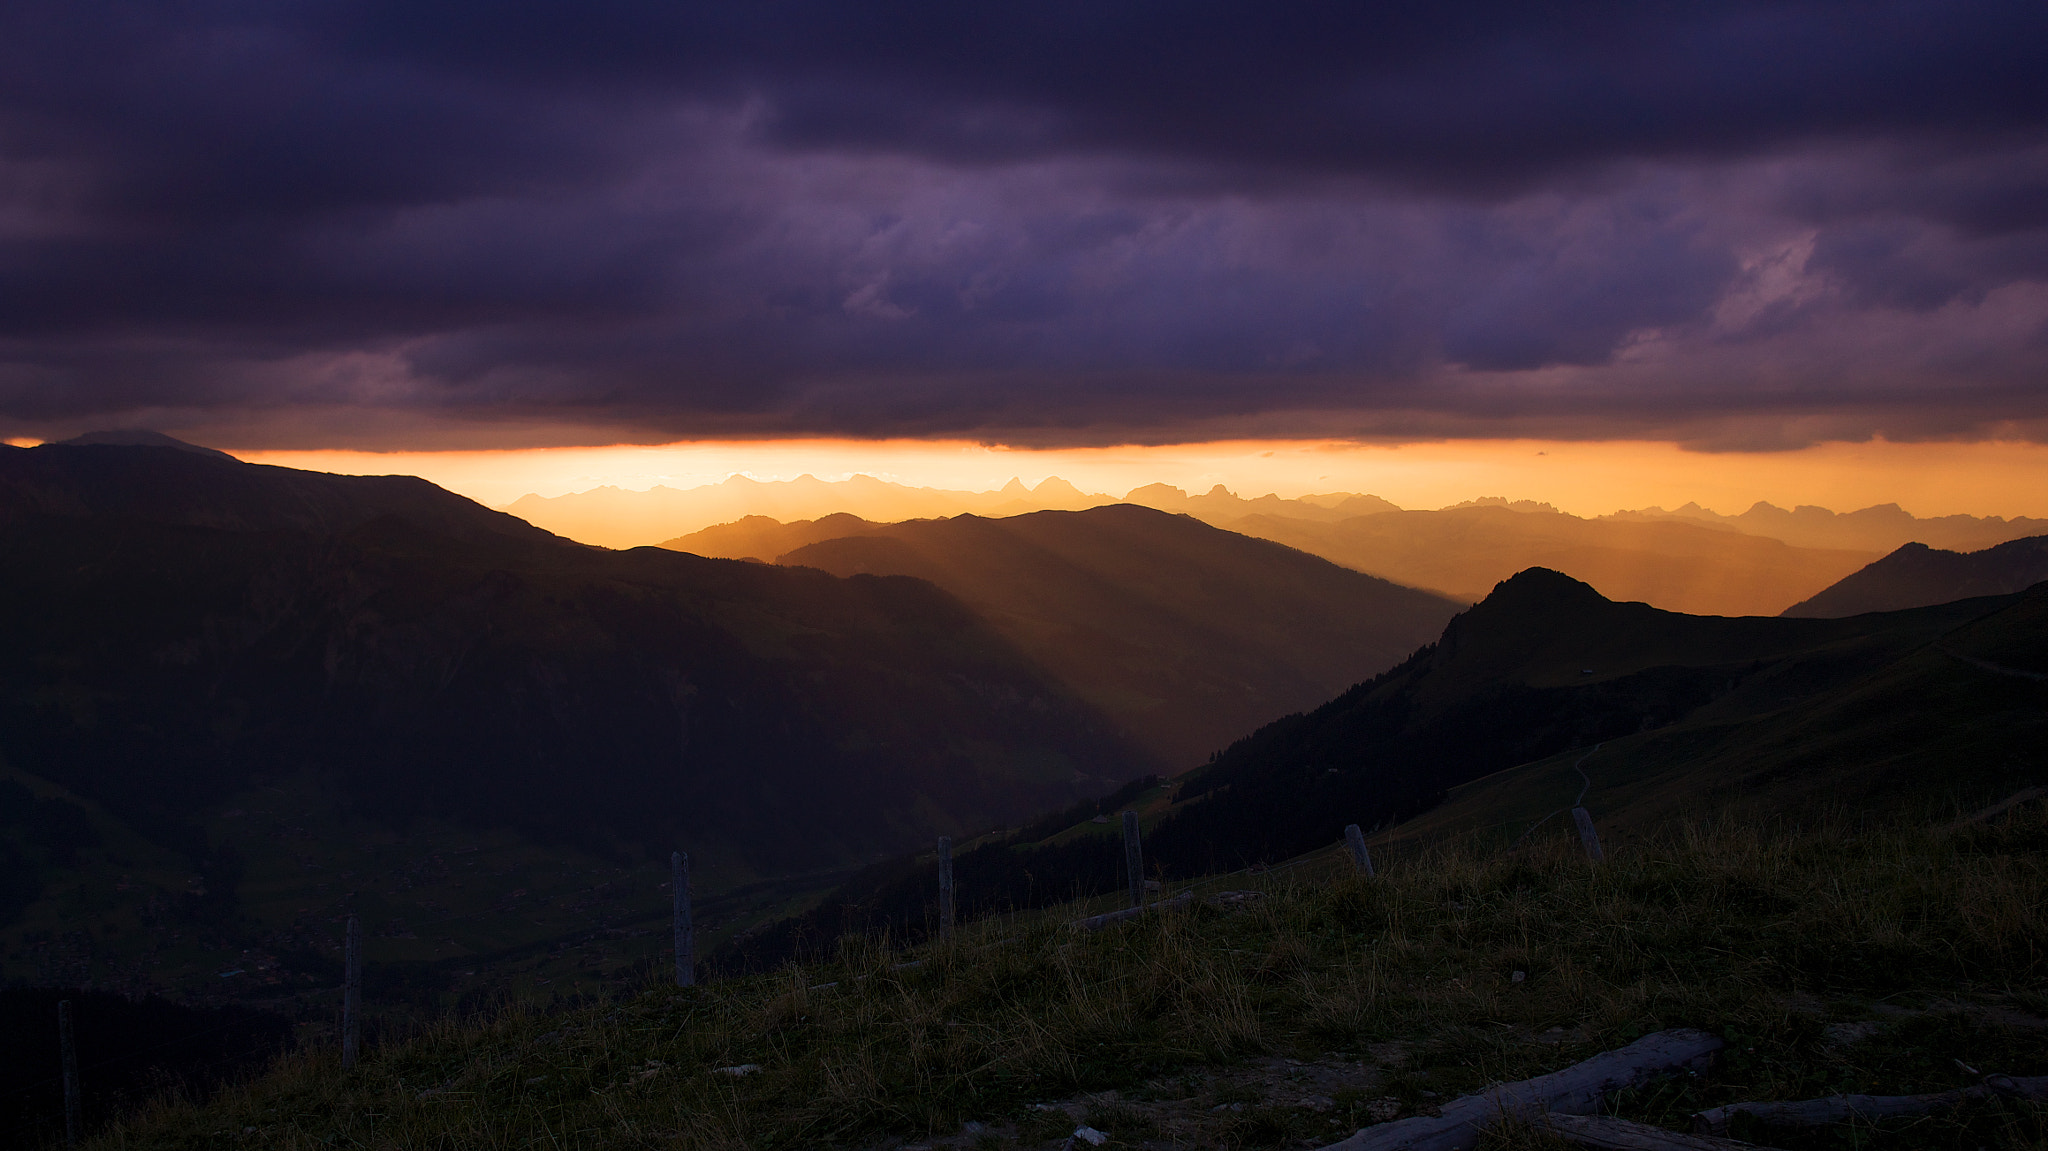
[351, 991]
[945, 887]
[1359, 855]
[1587, 835]
[1134, 859]
[685, 929]
[68, 1051]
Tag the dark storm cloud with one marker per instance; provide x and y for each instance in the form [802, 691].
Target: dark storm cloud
[1057, 221]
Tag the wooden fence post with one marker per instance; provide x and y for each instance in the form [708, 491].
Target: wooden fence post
[1134, 859]
[1359, 855]
[945, 887]
[351, 992]
[68, 1050]
[1587, 835]
[685, 928]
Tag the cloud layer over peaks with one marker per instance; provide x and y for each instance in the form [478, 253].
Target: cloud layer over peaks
[364, 224]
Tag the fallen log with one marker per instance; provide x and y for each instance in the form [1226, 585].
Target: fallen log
[1098, 922]
[1577, 1090]
[1868, 1108]
[1606, 1133]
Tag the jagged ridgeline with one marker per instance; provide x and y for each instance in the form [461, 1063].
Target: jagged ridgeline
[1687, 710]
[179, 624]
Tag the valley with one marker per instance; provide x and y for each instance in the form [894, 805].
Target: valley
[479, 739]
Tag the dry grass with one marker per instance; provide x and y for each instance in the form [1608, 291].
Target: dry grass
[1763, 935]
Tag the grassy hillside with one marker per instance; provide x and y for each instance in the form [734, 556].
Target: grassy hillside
[1930, 721]
[1186, 635]
[1679, 566]
[1840, 955]
[1544, 666]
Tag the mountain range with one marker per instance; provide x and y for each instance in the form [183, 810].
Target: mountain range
[1463, 551]
[620, 518]
[253, 676]
[1543, 695]
[617, 517]
[243, 702]
[1184, 634]
[1690, 560]
[1879, 528]
[1457, 552]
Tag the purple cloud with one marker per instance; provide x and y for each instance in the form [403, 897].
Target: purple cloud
[1042, 224]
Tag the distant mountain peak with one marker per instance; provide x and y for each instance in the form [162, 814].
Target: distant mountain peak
[1154, 492]
[1055, 486]
[137, 438]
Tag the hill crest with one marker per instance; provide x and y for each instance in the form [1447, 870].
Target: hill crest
[1917, 575]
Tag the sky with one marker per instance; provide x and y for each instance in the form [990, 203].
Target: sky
[1585, 478]
[1735, 230]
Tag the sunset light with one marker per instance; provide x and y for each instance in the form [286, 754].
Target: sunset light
[928, 576]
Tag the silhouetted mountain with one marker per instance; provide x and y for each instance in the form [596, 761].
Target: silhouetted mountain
[1463, 551]
[647, 695]
[1961, 720]
[1879, 528]
[1518, 691]
[1219, 505]
[1543, 664]
[773, 721]
[763, 538]
[1185, 634]
[615, 517]
[138, 438]
[1917, 575]
[144, 476]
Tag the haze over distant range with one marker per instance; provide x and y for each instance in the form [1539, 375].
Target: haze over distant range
[617, 517]
[1591, 255]
[1685, 559]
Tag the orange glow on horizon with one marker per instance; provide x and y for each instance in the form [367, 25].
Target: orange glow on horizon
[2004, 478]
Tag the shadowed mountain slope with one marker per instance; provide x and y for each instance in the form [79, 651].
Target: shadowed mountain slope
[1917, 575]
[1185, 634]
[1959, 721]
[764, 538]
[644, 695]
[1771, 715]
[1464, 551]
[1543, 665]
[169, 482]
[559, 700]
